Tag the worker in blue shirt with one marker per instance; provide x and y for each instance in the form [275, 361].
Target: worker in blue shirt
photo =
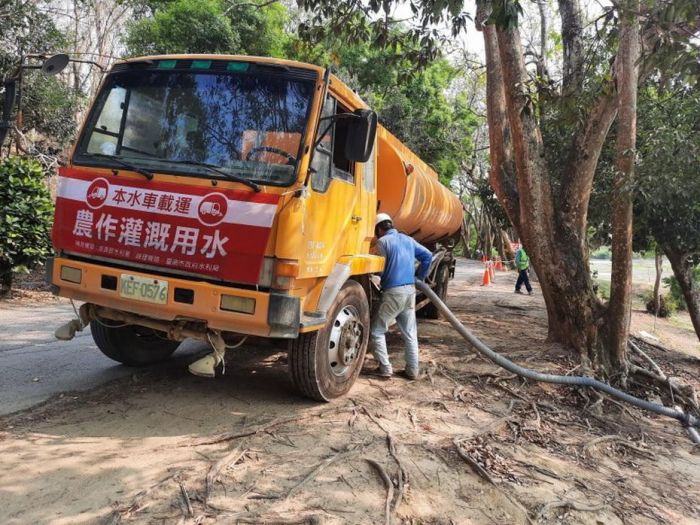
[398, 300]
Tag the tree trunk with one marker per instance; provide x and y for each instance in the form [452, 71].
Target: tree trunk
[542, 59]
[508, 249]
[5, 281]
[466, 235]
[500, 246]
[502, 175]
[683, 270]
[552, 227]
[627, 74]
[658, 263]
[572, 40]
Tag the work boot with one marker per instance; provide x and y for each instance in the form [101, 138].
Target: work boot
[379, 372]
[409, 374]
[518, 291]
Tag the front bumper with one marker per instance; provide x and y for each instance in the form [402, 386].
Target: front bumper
[275, 314]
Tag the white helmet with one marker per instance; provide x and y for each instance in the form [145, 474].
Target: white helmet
[381, 217]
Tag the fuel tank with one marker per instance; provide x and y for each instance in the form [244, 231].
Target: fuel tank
[410, 192]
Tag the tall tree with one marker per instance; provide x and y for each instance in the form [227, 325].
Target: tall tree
[668, 200]
[627, 76]
[546, 141]
[551, 211]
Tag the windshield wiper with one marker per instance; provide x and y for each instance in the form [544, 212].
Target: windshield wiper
[216, 169]
[127, 165]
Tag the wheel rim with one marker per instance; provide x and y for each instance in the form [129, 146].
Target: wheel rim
[345, 341]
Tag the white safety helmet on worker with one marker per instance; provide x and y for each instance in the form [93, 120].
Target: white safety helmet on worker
[381, 217]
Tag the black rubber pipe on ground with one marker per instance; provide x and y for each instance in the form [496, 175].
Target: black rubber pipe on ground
[689, 421]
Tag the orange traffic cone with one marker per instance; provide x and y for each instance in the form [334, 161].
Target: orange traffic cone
[499, 264]
[487, 277]
[493, 274]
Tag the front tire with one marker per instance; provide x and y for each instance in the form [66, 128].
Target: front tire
[131, 345]
[325, 364]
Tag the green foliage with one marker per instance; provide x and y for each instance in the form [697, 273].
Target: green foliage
[667, 305]
[505, 13]
[602, 253]
[25, 28]
[209, 26]
[415, 104]
[26, 215]
[261, 30]
[668, 203]
[183, 26]
[675, 293]
[48, 104]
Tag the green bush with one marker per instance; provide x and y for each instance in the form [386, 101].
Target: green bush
[674, 289]
[602, 253]
[666, 305]
[26, 215]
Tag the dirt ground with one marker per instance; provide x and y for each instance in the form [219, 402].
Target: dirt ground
[466, 443]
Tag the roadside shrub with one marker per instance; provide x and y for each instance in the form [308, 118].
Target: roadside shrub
[26, 215]
[666, 305]
[602, 253]
[674, 289]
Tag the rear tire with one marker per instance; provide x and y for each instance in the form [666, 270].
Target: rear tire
[442, 282]
[325, 364]
[131, 345]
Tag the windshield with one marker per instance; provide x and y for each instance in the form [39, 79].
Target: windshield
[248, 124]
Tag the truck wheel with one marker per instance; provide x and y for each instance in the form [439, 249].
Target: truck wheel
[131, 345]
[442, 280]
[324, 364]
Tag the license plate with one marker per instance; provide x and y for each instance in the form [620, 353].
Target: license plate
[143, 289]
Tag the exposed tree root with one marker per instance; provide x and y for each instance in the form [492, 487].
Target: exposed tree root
[389, 488]
[229, 459]
[568, 504]
[316, 470]
[473, 464]
[618, 439]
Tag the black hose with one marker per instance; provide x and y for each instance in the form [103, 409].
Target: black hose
[686, 419]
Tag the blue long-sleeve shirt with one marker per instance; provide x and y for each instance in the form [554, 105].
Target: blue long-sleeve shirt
[400, 252]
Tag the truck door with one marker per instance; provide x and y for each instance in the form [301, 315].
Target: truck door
[331, 225]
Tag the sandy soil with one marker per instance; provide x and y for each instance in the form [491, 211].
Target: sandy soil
[467, 443]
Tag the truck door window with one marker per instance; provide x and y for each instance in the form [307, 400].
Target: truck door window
[329, 158]
[368, 170]
[105, 138]
[321, 163]
[342, 167]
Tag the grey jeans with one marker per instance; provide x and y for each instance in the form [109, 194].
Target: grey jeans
[396, 304]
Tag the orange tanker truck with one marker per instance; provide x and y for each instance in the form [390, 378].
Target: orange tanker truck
[215, 197]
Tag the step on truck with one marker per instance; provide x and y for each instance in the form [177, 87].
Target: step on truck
[215, 197]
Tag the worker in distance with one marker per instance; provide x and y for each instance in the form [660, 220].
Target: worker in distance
[398, 300]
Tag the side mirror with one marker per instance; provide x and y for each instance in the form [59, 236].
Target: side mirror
[55, 64]
[362, 130]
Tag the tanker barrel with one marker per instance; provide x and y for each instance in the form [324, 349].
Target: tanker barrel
[410, 192]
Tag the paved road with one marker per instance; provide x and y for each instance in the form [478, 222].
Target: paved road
[34, 365]
[643, 270]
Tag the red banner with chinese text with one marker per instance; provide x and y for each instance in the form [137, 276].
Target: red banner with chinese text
[220, 233]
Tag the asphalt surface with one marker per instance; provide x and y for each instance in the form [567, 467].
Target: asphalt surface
[35, 366]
